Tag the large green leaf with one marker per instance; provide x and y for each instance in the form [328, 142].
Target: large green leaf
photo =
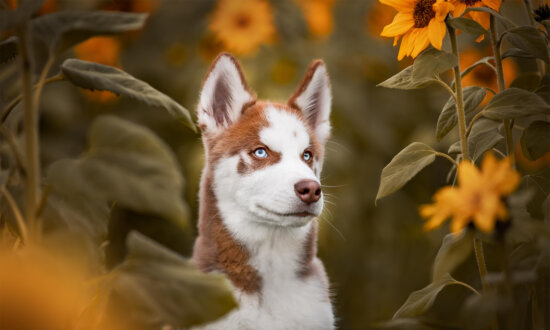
[404, 80]
[431, 63]
[98, 76]
[515, 103]
[453, 251]
[62, 30]
[484, 136]
[535, 140]
[447, 118]
[420, 301]
[403, 167]
[530, 40]
[539, 182]
[127, 164]
[527, 80]
[467, 25]
[167, 289]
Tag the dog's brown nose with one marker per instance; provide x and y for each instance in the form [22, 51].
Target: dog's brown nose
[308, 191]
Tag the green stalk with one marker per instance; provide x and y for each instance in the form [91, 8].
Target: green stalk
[30, 125]
[460, 114]
[480, 259]
[501, 85]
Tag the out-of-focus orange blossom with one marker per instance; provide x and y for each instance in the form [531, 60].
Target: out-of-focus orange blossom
[377, 17]
[103, 50]
[530, 166]
[482, 75]
[318, 15]
[478, 197]
[243, 25]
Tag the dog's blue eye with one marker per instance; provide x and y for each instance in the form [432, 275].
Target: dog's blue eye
[260, 153]
[307, 156]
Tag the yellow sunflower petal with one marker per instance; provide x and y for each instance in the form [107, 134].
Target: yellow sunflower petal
[458, 223]
[442, 9]
[402, 22]
[493, 4]
[437, 32]
[396, 39]
[406, 6]
[460, 7]
[406, 46]
[421, 41]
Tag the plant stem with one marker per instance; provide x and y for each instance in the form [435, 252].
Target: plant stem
[30, 125]
[17, 214]
[471, 124]
[459, 98]
[480, 259]
[16, 101]
[444, 155]
[501, 84]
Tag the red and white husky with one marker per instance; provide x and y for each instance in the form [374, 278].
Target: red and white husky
[260, 196]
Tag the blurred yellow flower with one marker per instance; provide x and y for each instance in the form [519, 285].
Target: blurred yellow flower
[103, 50]
[318, 15]
[242, 25]
[478, 16]
[419, 22]
[478, 197]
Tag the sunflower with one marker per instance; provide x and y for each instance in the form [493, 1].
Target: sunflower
[318, 15]
[481, 17]
[478, 197]
[419, 22]
[242, 25]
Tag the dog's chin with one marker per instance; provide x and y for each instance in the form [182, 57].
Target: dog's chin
[268, 217]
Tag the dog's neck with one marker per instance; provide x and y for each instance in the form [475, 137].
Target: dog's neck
[249, 253]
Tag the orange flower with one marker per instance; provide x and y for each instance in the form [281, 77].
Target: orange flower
[242, 25]
[419, 22]
[478, 16]
[103, 50]
[318, 15]
[476, 199]
[378, 17]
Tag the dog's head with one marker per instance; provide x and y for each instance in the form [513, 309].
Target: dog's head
[265, 158]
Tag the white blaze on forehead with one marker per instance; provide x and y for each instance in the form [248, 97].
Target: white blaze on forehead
[286, 132]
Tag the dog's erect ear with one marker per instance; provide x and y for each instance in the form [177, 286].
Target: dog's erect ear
[223, 95]
[314, 99]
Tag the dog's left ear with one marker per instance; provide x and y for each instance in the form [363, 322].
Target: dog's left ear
[223, 96]
[314, 99]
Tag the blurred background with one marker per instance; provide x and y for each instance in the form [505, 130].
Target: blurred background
[375, 255]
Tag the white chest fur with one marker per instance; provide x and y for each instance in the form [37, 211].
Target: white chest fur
[286, 300]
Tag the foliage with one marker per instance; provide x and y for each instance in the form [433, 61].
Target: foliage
[481, 216]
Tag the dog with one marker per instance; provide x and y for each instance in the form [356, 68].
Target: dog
[260, 197]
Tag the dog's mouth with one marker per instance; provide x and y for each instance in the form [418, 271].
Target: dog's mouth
[301, 214]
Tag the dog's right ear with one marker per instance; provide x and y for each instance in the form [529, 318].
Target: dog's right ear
[223, 96]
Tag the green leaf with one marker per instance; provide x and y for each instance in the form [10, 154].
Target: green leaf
[447, 118]
[453, 251]
[484, 136]
[467, 25]
[127, 164]
[8, 50]
[535, 140]
[431, 63]
[404, 80]
[420, 301]
[62, 30]
[97, 76]
[528, 81]
[515, 103]
[403, 167]
[516, 52]
[25, 8]
[539, 182]
[530, 40]
[167, 289]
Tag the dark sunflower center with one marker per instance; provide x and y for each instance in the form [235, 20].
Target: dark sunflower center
[242, 21]
[469, 3]
[423, 13]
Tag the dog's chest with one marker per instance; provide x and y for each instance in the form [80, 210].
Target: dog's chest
[286, 300]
